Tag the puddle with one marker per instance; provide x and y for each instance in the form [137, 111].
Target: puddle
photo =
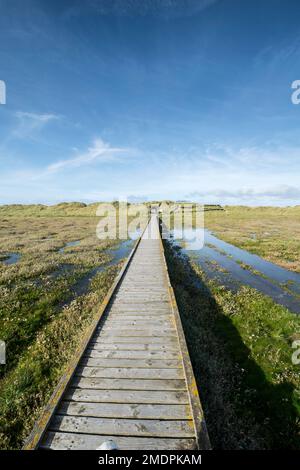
[121, 251]
[271, 270]
[73, 243]
[62, 270]
[226, 256]
[12, 258]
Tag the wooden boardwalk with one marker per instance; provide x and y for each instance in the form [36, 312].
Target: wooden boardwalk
[133, 383]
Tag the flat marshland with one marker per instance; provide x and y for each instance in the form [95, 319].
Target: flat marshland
[54, 273]
[270, 232]
[50, 291]
[241, 340]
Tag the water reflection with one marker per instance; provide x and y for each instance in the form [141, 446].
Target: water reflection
[232, 267]
[11, 258]
[73, 243]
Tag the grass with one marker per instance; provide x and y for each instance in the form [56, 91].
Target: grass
[270, 232]
[27, 387]
[241, 347]
[34, 289]
[43, 308]
[64, 209]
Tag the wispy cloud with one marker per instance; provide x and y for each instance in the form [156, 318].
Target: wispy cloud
[99, 151]
[277, 192]
[31, 122]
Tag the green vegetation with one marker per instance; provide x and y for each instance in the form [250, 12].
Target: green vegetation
[270, 232]
[63, 209]
[46, 303]
[241, 347]
[25, 390]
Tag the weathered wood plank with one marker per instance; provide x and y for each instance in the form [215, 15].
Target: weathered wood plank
[134, 363]
[123, 427]
[104, 339]
[153, 309]
[133, 346]
[128, 384]
[125, 354]
[136, 315]
[137, 324]
[76, 441]
[150, 332]
[123, 299]
[139, 303]
[142, 303]
[129, 373]
[119, 327]
[122, 410]
[141, 289]
[141, 316]
[169, 397]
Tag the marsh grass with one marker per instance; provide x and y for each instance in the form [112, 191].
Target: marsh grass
[270, 232]
[42, 316]
[25, 390]
[241, 347]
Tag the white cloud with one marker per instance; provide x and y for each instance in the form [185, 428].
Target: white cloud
[212, 173]
[31, 122]
[36, 117]
[99, 151]
[276, 192]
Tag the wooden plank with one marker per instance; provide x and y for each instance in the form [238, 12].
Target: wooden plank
[146, 311]
[135, 319]
[135, 363]
[142, 288]
[169, 397]
[125, 410]
[141, 307]
[123, 427]
[170, 340]
[128, 384]
[138, 324]
[140, 297]
[127, 303]
[133, 346]
[149, 332]
[161, 355]
[143, 314]
[129, 373]
[76, 441]
[154, 314]
[119, 327]
[135, 314]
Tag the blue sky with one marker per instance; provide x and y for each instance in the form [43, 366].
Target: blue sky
[179, 99]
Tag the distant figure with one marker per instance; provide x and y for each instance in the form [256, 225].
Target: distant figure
[108, 445]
